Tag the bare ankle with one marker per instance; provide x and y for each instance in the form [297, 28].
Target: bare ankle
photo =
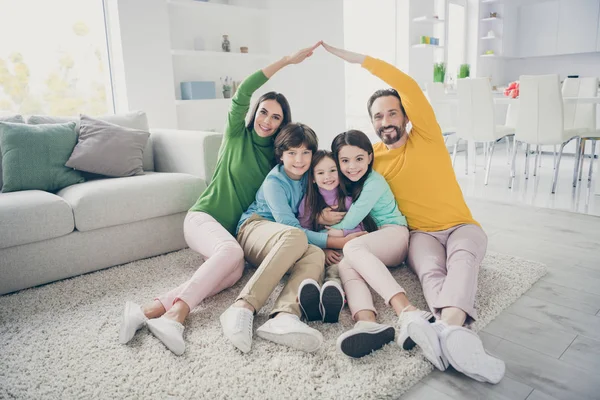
[400, 303]
[153, 310]
[178, 312]
[453, 316]
[365, 315]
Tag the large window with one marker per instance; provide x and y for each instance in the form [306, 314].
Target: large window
[53, 58]
[457, 38]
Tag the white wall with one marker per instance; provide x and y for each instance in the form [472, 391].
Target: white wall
[314, 88]
[141, 59]
[587, 64]
[370, 30]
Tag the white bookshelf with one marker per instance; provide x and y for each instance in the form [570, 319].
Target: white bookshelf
[425, 18]
[494, 24]
[204, 60]
[428, 20]
[232, 55]
[427, 46]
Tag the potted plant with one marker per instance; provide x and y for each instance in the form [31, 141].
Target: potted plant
[439, 72]
[464, 71]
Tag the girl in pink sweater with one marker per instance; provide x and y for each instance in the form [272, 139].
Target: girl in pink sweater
[323, 190]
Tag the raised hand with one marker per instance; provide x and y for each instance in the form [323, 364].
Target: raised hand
[295, 58]
[351, 57]
[302, 54]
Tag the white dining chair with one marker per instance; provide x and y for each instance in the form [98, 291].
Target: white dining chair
[583, 117]
[445, 113]
[476, 120]
[541, 120]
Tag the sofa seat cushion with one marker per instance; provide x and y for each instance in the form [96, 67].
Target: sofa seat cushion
[115, 201]
[31, 216]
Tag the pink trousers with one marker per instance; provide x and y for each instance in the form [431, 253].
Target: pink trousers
[366, 261]
[447, 264]
[223, 265]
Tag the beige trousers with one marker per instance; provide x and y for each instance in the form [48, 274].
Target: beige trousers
[278, 249]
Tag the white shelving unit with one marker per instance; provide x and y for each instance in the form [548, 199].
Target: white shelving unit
[424, 46]
[233, 55]
[196, 30]
[425, 18]
[491, 28]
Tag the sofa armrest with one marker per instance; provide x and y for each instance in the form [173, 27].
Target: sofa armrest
[190, 152]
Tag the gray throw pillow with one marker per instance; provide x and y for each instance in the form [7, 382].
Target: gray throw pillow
[108, 149]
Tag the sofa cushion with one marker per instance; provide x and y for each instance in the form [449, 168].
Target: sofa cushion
[133, 120]
[115, 201]
[32, 216]
[108, 149]
[34, 157]
[8, 118]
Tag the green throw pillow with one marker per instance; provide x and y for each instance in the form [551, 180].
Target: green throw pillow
[34, 156]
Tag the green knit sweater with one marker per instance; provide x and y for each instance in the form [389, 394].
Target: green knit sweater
[244, 161]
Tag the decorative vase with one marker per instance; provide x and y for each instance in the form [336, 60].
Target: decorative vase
[243, 49]
[226, 93]
[226, 45]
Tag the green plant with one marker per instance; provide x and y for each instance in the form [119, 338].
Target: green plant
[464, 71]
[439, 72]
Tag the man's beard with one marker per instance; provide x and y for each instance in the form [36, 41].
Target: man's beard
[392, 138]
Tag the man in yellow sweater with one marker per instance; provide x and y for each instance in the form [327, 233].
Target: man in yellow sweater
[446, 244]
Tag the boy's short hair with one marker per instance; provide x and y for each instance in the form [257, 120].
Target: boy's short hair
[294, 135]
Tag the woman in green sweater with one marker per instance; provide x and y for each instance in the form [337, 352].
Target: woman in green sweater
[246, 157]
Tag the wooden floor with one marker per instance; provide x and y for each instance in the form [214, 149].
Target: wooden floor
[549, 338]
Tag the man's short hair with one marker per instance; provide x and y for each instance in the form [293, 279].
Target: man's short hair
[382, 93]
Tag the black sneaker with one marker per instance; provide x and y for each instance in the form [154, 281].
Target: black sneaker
[332, 301]
[309, 294]
[365, 338]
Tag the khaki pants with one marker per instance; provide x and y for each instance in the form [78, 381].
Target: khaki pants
[277, 249]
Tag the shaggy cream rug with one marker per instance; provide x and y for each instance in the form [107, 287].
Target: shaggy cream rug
[60, 341]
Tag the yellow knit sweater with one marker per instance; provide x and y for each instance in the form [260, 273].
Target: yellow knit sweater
[420, 173]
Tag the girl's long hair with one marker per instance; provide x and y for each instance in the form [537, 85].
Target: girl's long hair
[314, 200]
[356, 138]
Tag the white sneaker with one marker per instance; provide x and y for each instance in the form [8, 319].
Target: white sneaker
[169, 332]
[365, 338]
[133, 319]
[236, 323]
[309, 298]
[288, 330]
[464, 350]
[403, 339]
[332, 301]
[426, 336]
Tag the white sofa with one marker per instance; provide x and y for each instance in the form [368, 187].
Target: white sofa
[97, 224]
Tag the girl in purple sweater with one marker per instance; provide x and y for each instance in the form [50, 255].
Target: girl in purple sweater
[323, 190]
